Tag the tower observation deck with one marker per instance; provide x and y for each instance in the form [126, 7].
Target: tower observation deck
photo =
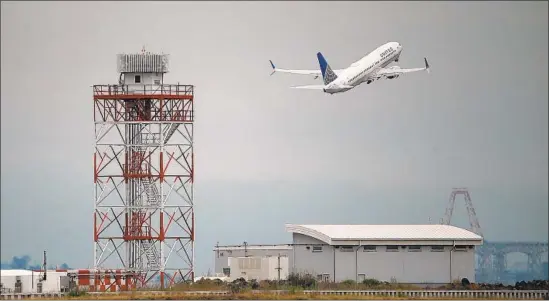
[143, 173]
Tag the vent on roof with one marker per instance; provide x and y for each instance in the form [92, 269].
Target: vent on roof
[370, 248]
[392, 249]
[317, 249]
[414, 248]
[437, 248]
[461, 248]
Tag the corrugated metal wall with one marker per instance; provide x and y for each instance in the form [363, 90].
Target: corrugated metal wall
[136, 63]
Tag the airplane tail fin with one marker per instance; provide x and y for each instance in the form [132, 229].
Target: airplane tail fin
[327, 73]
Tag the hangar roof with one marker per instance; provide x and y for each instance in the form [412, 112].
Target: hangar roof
[331, 233]
[253, 247]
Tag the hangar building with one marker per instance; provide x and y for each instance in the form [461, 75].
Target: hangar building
[415, 254]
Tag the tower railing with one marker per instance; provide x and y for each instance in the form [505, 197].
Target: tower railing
[139, 89]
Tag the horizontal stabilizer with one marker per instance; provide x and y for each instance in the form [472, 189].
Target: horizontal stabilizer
[310, 87]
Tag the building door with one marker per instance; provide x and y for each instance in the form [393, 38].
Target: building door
[18, 285]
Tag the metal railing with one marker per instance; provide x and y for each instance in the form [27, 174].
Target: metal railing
[136, 89]
[454, 294]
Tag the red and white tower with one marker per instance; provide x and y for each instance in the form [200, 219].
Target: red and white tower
[143, 173]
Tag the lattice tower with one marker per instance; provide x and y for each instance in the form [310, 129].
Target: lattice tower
[483, 259]
[473, 220]
[144, 172]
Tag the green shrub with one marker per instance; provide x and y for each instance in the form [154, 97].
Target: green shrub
[254, 284]
[370, 282]
[348, 282]
[238, 285]
[77, 293]
[305, 281]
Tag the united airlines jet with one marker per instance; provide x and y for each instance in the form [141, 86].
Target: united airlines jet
[368, 69]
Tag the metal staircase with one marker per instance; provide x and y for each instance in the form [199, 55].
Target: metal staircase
[153, 196]
[171, 130]
[152, 255]
[136, 165]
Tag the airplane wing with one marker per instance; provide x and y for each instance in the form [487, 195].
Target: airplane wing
[310, 87]
[316, 73]
[396, 71]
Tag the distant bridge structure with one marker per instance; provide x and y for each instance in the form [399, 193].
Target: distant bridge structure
[491, 255]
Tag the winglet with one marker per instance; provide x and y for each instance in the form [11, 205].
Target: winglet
[426, 65]
[274, 68]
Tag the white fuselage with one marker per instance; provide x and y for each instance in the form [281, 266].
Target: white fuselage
[364, 69]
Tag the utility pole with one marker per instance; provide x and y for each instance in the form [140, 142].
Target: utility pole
[245, 249]
[278, 268]
[43, 277]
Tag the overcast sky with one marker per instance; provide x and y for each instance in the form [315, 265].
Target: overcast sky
[385, 153]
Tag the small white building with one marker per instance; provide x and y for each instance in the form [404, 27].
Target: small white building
[142, 72]
[223, 253]
[259, 268]
[27, 281]
[414, 254]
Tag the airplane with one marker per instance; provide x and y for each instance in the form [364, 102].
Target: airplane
[369, 68]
